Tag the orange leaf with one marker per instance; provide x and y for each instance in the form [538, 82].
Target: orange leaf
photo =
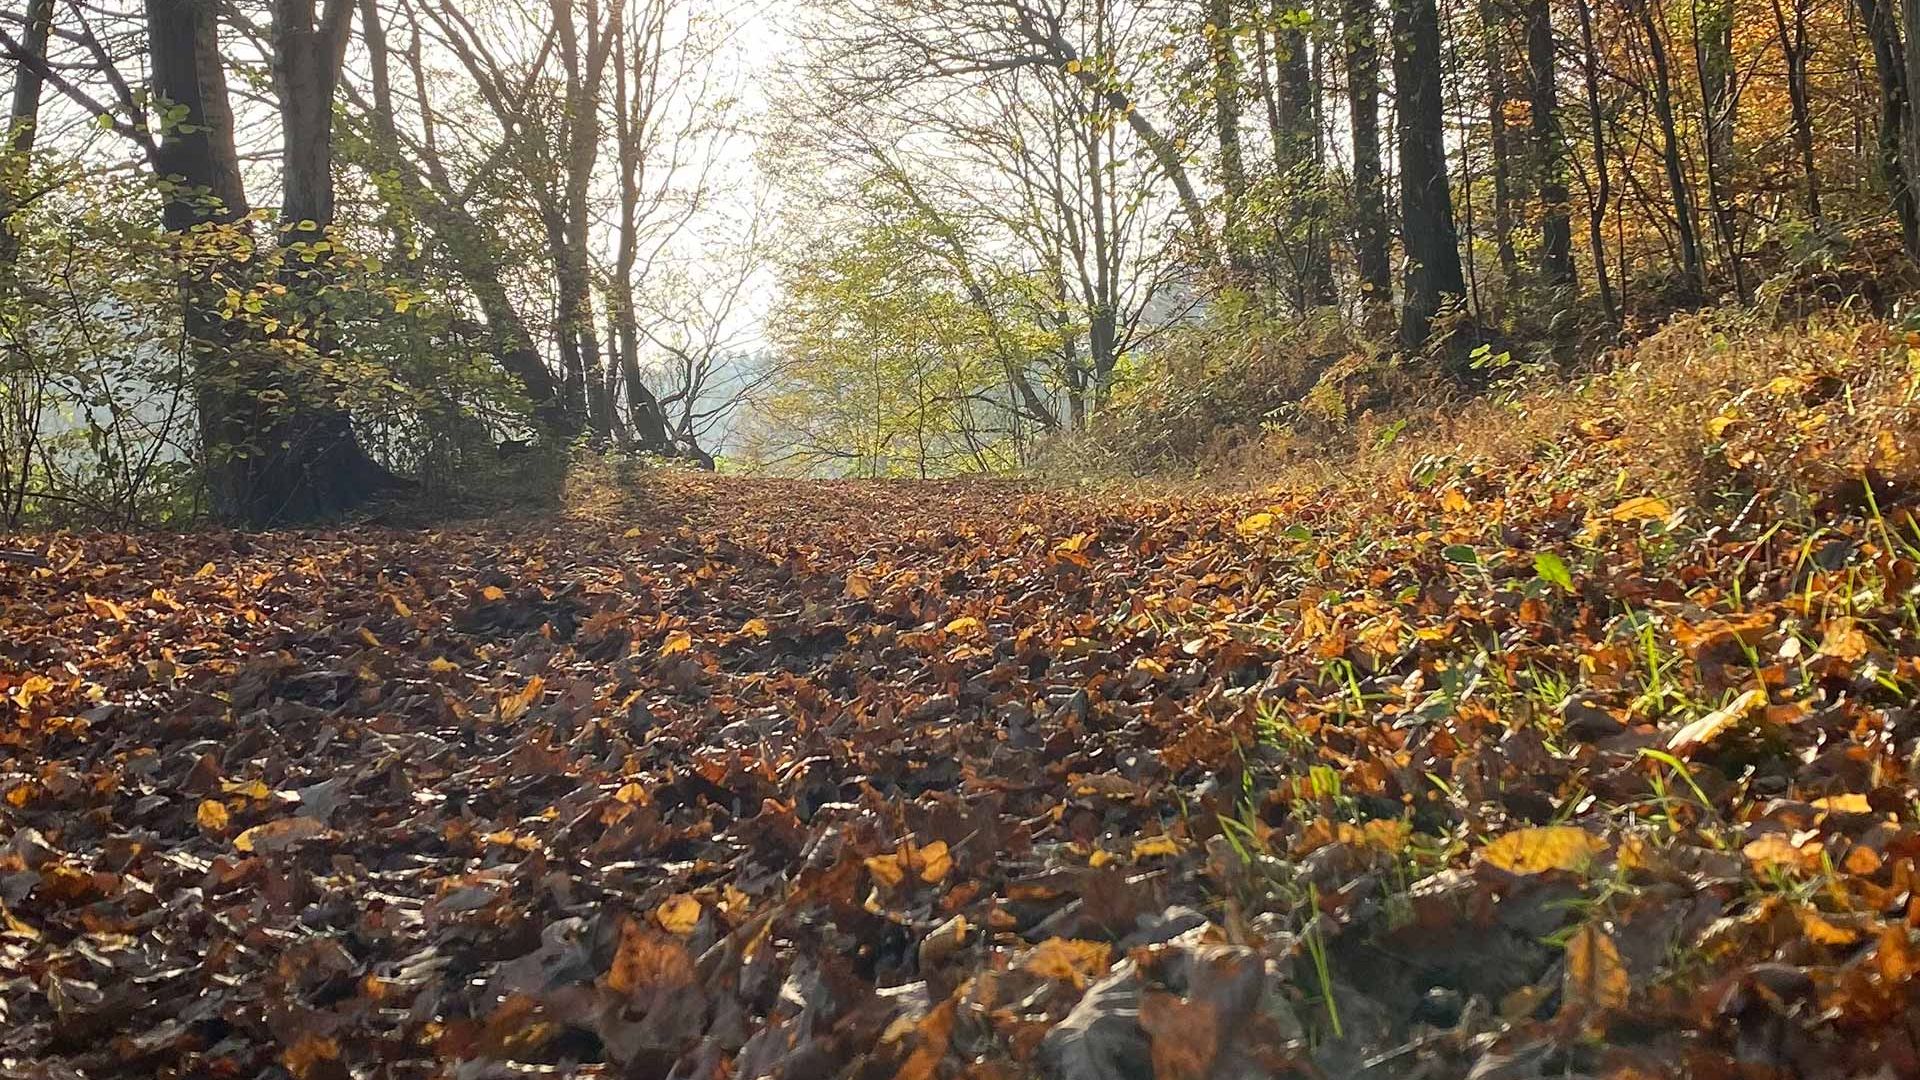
[1549, 847]
[1596, 977]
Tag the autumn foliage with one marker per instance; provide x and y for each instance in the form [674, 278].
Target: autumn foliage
[1526, 760]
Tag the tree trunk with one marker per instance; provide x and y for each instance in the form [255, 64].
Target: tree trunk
[1793, 48]
[23, 120]
[1226, 119]
[1434, 278]
[1494, 18]
[185, 69]
[1298, 154]
[1890, 69]
[1549, 149]
[1713, 61]
[1603, 175]
[645, 417]
[301, 459]
[1370, 253]
[1684, 223]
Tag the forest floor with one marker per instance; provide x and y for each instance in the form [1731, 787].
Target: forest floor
[1518, 761]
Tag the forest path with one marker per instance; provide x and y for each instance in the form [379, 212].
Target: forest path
[732, 777]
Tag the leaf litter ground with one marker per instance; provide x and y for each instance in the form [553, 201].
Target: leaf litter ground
[1487, 776]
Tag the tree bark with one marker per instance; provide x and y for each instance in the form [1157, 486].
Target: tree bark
[292, 453]
[1226, 119]
[1434, 277]
[1793, 48]
[1890, 70]
[1494, 18]
[23, 120]
[1549, 149]
[1371, 258]
[645, 417]
[1684, 222]
[1298, 153]
[1603, 175]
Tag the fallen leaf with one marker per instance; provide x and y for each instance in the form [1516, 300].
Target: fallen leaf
[279, 835]
[1539, 850]
[1596, 977]
[679, 914]
[1705, 730]
[1071, 961]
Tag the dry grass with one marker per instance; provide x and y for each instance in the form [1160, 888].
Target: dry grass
[1712, 410]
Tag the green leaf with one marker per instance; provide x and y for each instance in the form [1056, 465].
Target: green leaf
[1553, 570]
[1461, 553]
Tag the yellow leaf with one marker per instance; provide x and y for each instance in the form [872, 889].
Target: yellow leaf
[1549, 847]
[1455, 500]
[514, 706]
[1147, 665]
[677, 642]
[1719, 425]
[204, 572]
[1256, 524]
[631, 534]
[886, 869]
[107, 608]
[1843, 640]
[1778, 851]
[212, 816]
[257, 790]
[1821, 932]
[366, 636]
[1071, 961]
[633, 794]
[935, 862]
[1155, 845]
[400, 607]
[1844, 804]
[756, 628]
[1099, 858]
[493, 594]
[678, 914]
[859, 587]
[440, 665]
[1390, 834]
[1642, 508]
[966, 626]
[1596, 977]
[275, 835]
[1703, 731]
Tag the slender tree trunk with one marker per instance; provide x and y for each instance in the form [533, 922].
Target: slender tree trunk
[1434, 278]
[1226, 118]
[1603, 174]
[1549, 148]
[1909, 128]
[1890, 69]
[1298, 159]
[1684, 222]
[1793, 48]
[1371, 258]
[1495, 19]
[471, 249]
[1713, 61]
[16, 141]
[644, 414]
